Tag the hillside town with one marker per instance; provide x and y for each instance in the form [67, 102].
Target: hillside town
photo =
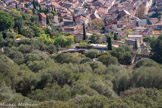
[130, 20]
[80, 53]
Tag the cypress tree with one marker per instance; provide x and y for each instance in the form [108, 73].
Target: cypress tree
[40, 9]
[109, 46]
[34, 5]
[103, 28]
[74, 19]
[54, 8]
[47, 10]
[135, 45]
[33, 11]
[112, 32]
[19, 30]
[84, 32]
[47, 19]
[115, 36]
[16, 6]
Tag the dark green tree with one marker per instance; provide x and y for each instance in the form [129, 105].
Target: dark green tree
[74, 19]
[149, 39]
[109, 46]
[47, 10]
[108, 60]
[51, 49]
[34, 4]
[33, 10]
[47, 19]
[115, 36]
[123, 54]
[156, 51]
[55, 9]
[6, 21]
[92, 53]
[19, 30]
[145, 62]
[16, 6]
[95, 38]
[135, 45]
[84, 32]
[40, 9]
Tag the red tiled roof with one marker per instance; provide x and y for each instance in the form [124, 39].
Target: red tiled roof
[56, 5]
[43, 15]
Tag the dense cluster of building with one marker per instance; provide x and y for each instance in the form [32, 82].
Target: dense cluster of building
[118, 15]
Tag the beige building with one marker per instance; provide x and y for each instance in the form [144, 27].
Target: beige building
[139, 38]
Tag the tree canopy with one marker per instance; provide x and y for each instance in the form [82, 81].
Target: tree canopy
[6, 21]
[34, 70]
[156, 51]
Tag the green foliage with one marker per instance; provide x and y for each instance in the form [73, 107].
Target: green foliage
[45, 39]
[108, 60]
[95, 38]
[16, 56]
[84, 32]
[115, 36]
[36, 56]
[31, 71]
[145, 62]
[123, 53]
[25, 48]
[67, 58]
[9, 69]
[51, 49]
[34, 4]
[27, 31]
[26, 81]
[121, 83]
[7, 95]
[38, 31]
[83, 44]
[53, 93]
[98, 67]
[64, 41]
[149, 77]
[136, 46]
[149, 39]
[62, 75]
[109, 46]
[6, 21]
[34, 18]
[156, 51]
[35, 66]
[93, 53]
[8, 39]
[104, 88]
[47, 20]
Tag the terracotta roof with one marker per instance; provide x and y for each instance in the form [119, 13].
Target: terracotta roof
[43, 15]
[56, 5]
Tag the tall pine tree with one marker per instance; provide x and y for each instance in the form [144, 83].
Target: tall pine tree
[19, 30]
[47, 19]
[135, 45]
[115, 36]
[55, 9]
[34, 4]
[109, 46]
[84, 32]
[40, 9]
[16, 6]
[74, 19]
